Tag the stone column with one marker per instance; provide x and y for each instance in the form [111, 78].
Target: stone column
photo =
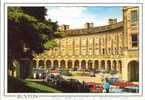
[80, 64]
[100, 67]
[66, 64]
[44, 63]
[111, 65]
[52, 64]
[58, 63]
[105, 65]
[37, 63]
[93, 64]
[86, 64]
[73, 63]
[117, 67]
[125, 73]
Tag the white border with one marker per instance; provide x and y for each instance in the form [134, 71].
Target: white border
[70, 94]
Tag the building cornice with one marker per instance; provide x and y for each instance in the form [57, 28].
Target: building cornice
[94, 30]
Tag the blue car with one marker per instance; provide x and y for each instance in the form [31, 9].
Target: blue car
[113, 80]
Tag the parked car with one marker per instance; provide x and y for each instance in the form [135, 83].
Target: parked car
[54, 80]
[123, 84]
[132, 84]
[91, 86]
[50, 79]
[65, 85]
[120, 84]
[99, 88]
[70, 85]
[84, 88]
[116, 90]
[74, 81]
[131, 89]
[39, 73]
[112, 80]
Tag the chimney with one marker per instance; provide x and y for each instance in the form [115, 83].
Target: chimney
[112, 21]
[89, 25]
[64, 27]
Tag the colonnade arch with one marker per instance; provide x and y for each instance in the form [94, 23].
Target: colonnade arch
[90, 64]
[106, 65]
[114, 65]
[76, 64]
[133, 70]
[48, 63]
[69, 63]
[55, 64]
[83, 64]
[102, 64]
[34, 63]
[41, 63]
[96, 65]
[62, 64]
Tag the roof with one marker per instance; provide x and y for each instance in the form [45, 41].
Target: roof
[94, 30]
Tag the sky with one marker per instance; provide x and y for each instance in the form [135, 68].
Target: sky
[76, 17]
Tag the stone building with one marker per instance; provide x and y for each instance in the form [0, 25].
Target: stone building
[113, 47]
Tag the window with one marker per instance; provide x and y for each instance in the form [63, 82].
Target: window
[109, 50]
[134, 40]
[55, 49]
[116, 51]
[90, 49]
[103, 51]
[134, 16]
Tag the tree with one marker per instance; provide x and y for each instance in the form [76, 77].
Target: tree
[29, 32]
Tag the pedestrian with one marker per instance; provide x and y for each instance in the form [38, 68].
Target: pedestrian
[106, 86]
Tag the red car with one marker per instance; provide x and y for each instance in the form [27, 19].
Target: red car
[99, 88]
[120, 84]
[92, 86]
[132, 84]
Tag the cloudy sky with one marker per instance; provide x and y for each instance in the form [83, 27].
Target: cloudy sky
[76, 17]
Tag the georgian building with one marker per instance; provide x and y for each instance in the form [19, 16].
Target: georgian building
[113, 47]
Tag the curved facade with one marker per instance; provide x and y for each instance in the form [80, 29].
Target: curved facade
[104, 48]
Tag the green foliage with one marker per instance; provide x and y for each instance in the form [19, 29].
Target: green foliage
[30, 29]
[28, 86]
[50, 44]
[27, 28]
[17, 15]
[60, 34]
[37, 12]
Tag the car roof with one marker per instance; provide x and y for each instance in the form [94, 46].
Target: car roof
[132, 87]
